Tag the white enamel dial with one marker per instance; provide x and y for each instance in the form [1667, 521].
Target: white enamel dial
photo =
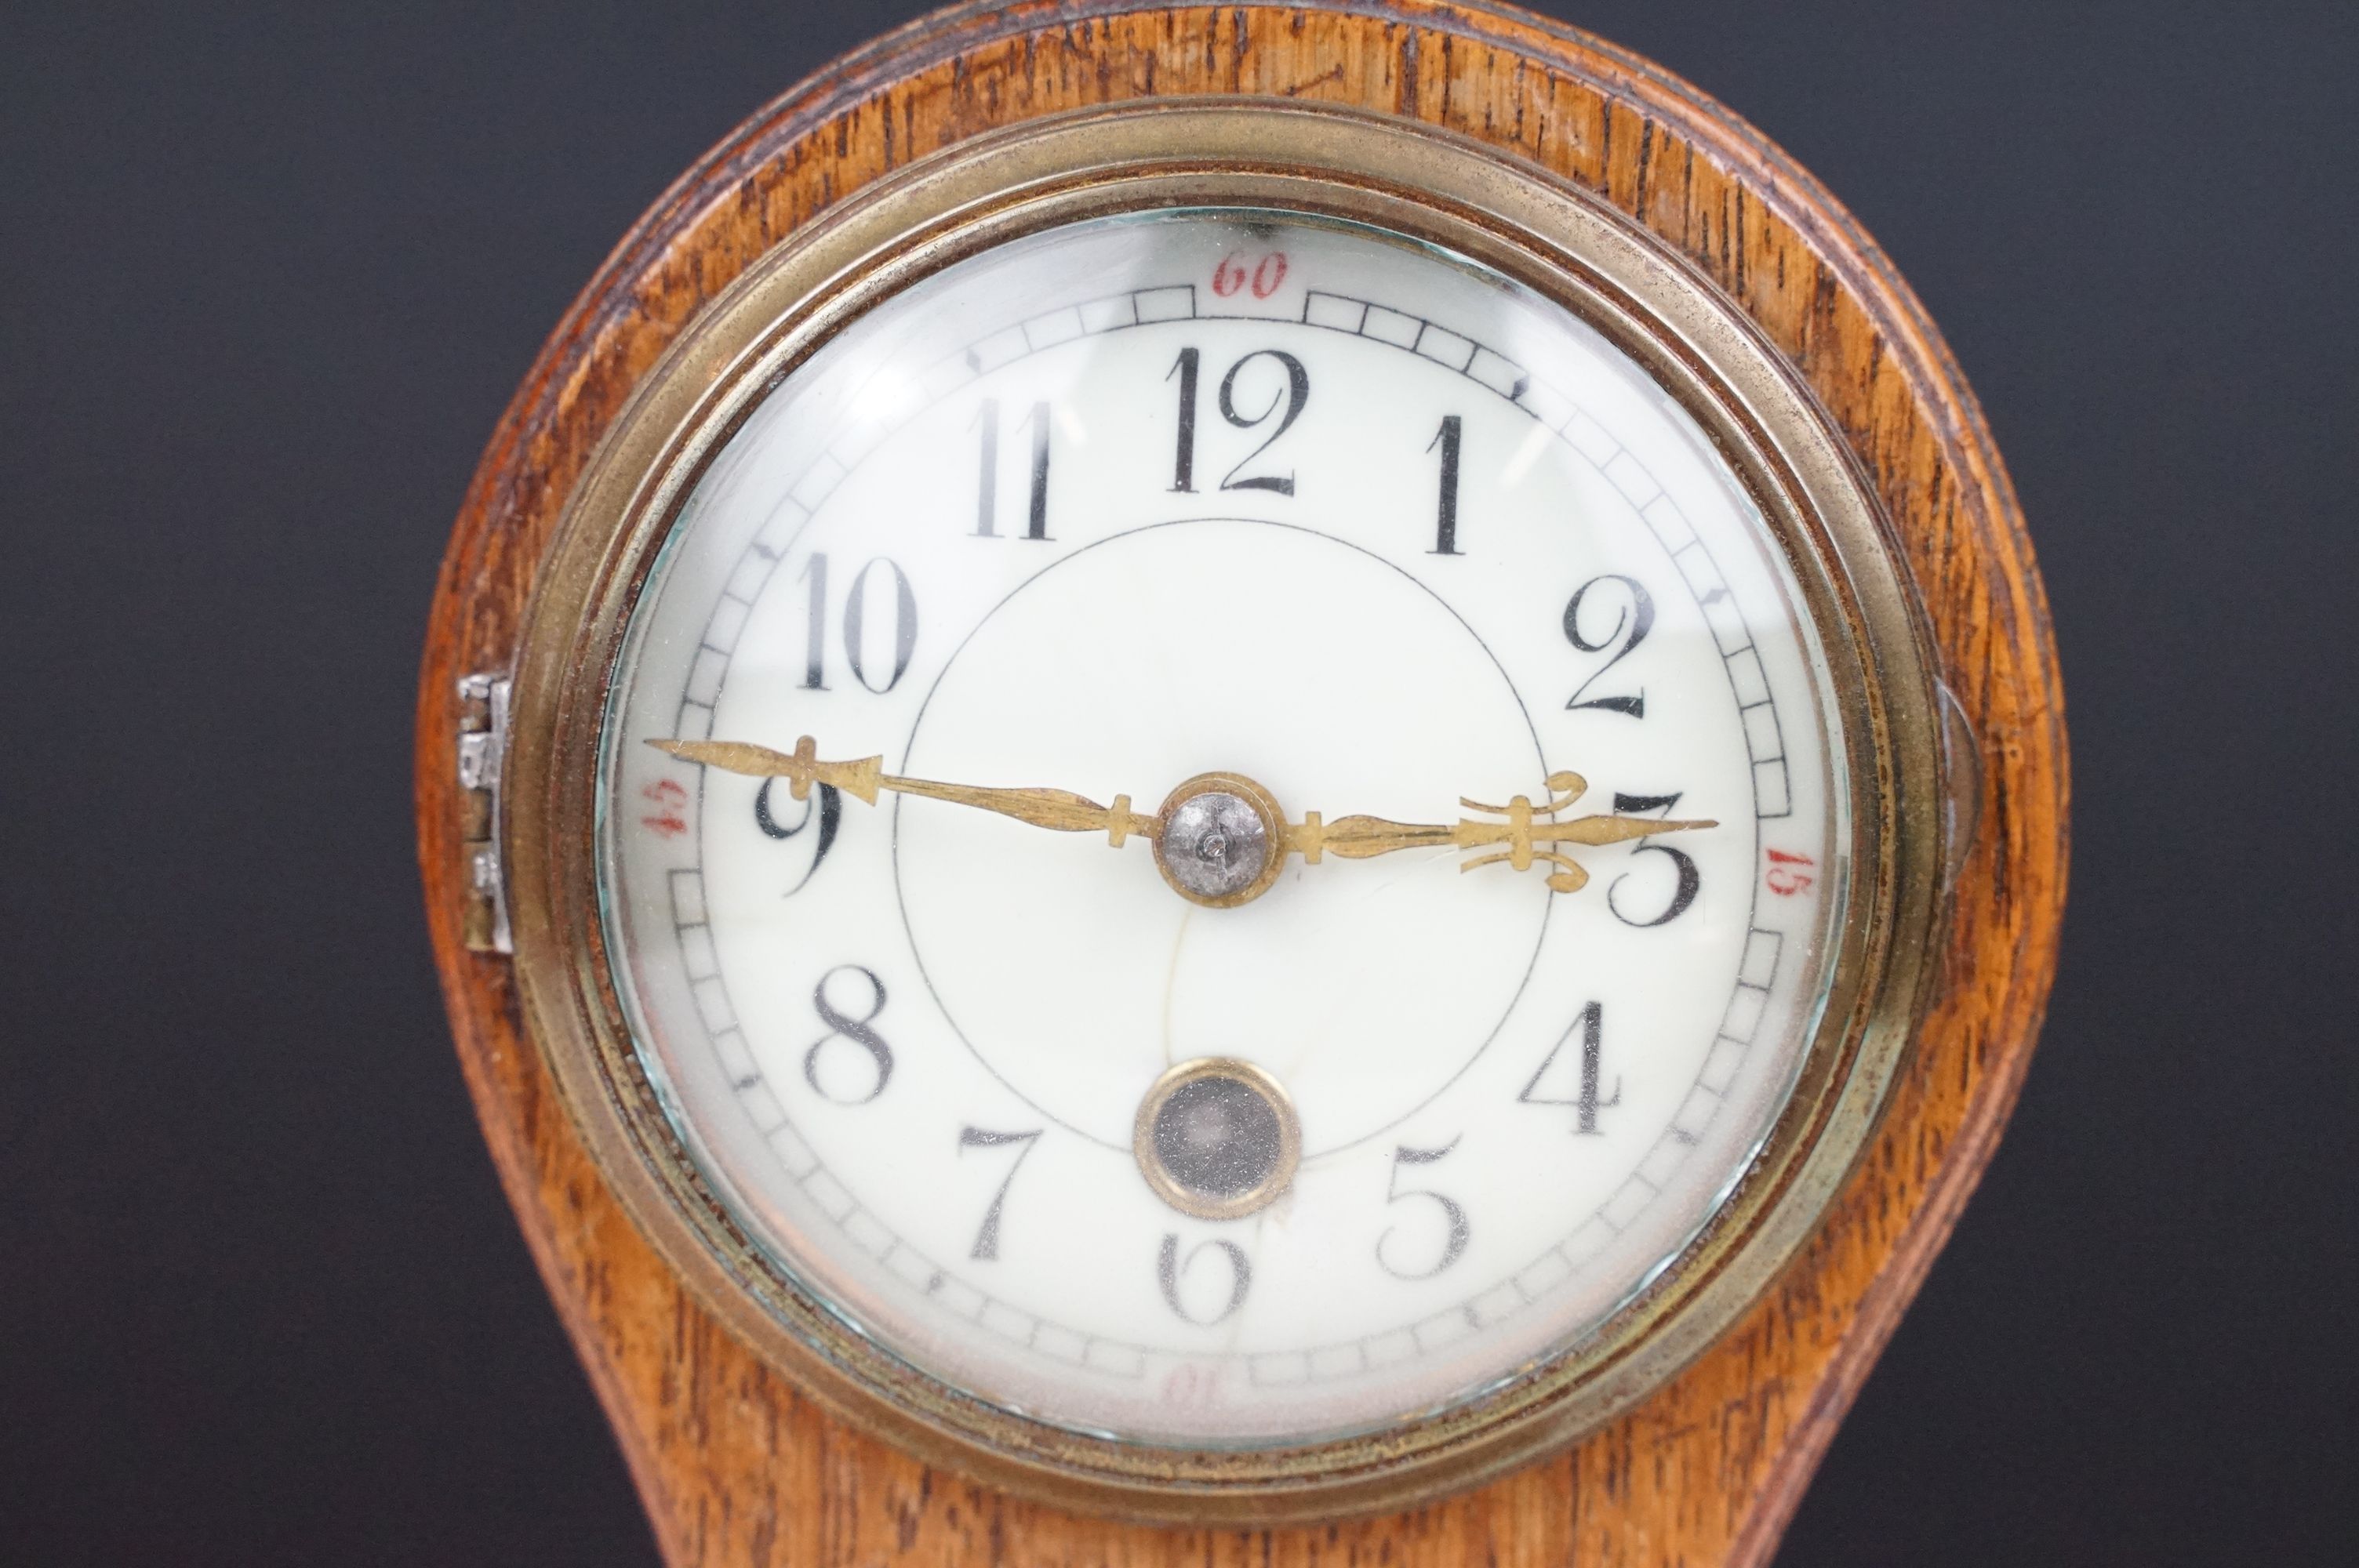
[1372, 529]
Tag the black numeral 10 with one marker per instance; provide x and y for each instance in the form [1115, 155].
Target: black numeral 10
[855, 625]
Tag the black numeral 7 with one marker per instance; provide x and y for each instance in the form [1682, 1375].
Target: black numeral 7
[986, 1239]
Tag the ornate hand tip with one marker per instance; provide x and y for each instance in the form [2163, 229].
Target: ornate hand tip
[1528, 835]
[1571, 879]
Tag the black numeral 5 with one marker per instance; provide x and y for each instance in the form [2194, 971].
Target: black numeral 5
[1455, 1228]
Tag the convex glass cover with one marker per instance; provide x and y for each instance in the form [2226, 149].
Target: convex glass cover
[1220, 828]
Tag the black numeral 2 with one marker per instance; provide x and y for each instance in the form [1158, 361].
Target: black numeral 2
[1630, 627]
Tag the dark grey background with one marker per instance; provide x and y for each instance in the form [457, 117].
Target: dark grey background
[267, 275]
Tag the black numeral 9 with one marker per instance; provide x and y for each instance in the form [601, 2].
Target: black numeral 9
[827, 809]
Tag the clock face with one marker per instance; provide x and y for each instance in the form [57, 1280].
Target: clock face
[1039, 847]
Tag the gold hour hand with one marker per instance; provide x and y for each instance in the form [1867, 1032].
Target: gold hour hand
[1061, 811]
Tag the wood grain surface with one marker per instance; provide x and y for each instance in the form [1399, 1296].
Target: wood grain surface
[736, 1467]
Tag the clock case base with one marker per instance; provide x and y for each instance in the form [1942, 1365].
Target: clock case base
[736, 1465]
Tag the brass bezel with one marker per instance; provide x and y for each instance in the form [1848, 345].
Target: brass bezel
[1322, 161]
[1290, 1138]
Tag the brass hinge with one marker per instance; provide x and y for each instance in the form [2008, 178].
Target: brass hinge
[483, 744]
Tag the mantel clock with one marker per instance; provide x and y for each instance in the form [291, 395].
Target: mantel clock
[1265, 783]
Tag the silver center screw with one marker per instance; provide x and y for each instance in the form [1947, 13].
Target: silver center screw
[1215, 844]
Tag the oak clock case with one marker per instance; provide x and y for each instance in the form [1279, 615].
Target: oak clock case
[1140, 1332]
[1223, 810]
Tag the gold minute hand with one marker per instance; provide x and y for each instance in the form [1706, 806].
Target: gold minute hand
[1526, 832]
[1523, 835]
[1061, 811]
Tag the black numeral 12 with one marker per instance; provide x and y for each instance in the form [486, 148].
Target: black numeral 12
[1285, 404]
[986, 503]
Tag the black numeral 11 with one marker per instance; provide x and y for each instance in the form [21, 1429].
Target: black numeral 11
[987, 504]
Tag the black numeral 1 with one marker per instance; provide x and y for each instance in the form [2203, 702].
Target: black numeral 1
[1445, 529]
[986, 502]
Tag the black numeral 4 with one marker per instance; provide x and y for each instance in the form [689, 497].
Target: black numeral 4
[1582, 1073]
